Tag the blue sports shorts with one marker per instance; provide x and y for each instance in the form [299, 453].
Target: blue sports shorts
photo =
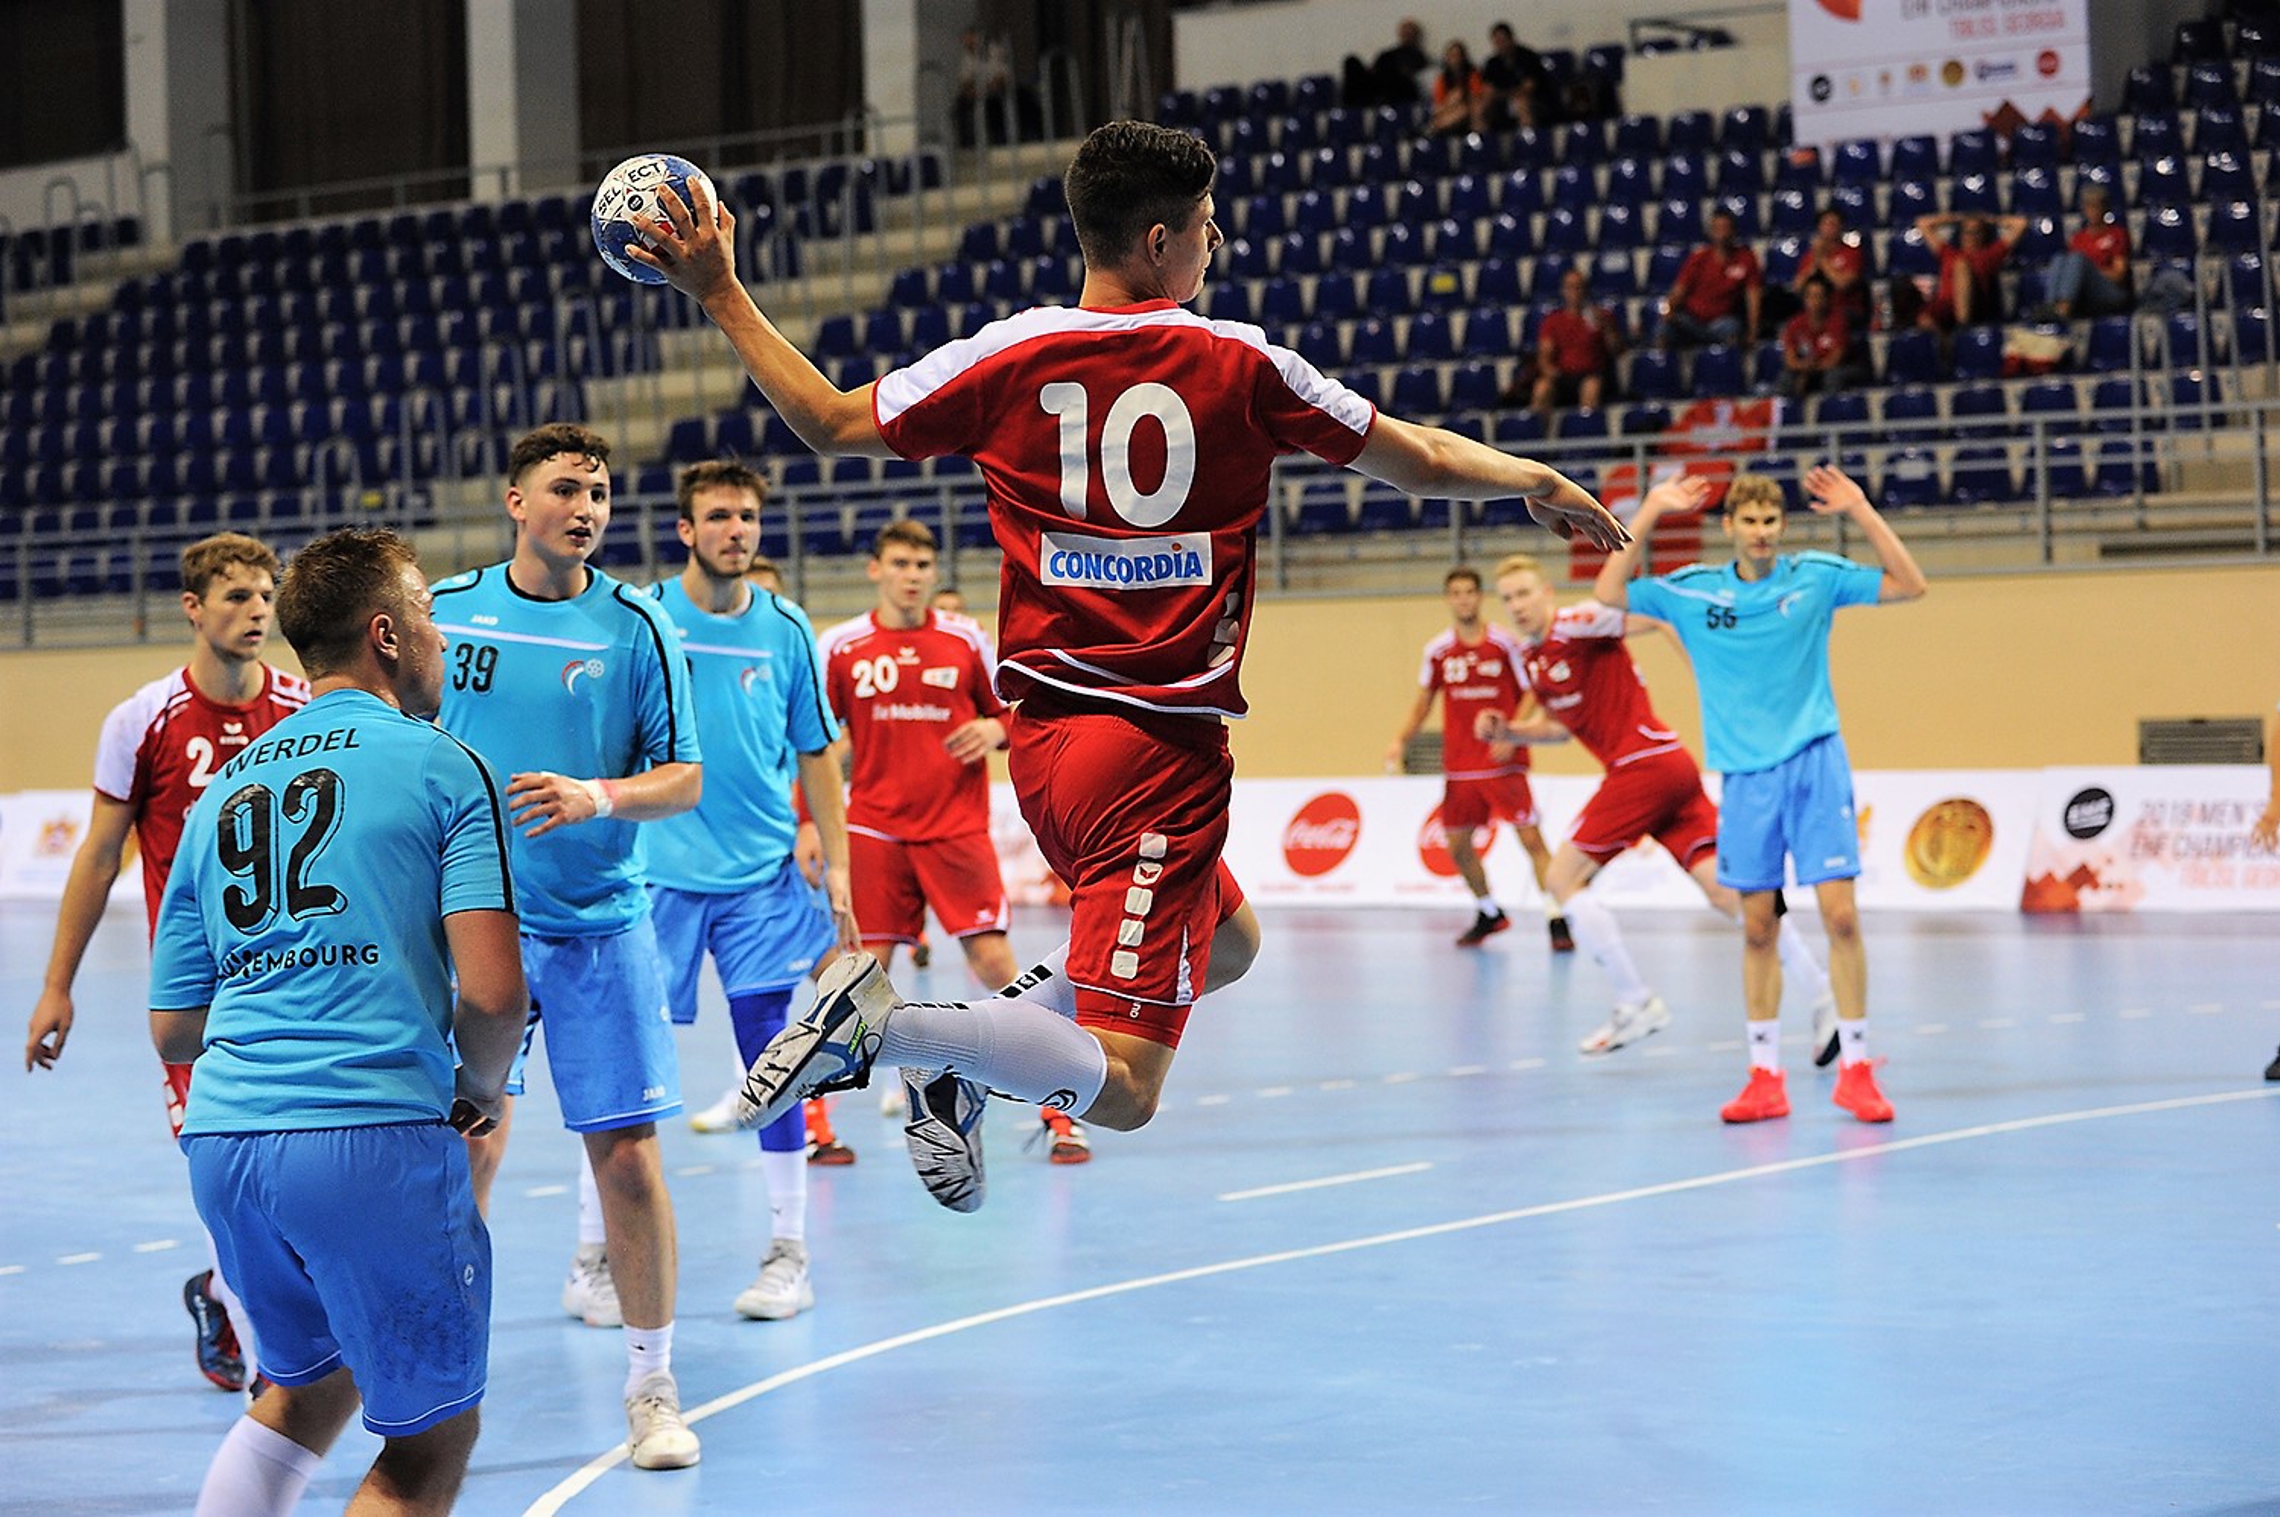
[609, 1038]
[762, 939]
[1801, 807]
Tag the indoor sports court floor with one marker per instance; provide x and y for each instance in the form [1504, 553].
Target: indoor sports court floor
[1391, 1246]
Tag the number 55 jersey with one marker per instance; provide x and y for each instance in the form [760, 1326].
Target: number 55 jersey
[306, 910]
[1127, 453]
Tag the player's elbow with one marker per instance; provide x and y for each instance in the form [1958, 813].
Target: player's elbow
[494, 990]
[179, 1036]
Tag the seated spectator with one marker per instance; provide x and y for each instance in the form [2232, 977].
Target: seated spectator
[985, 85]
[1519, 86]
[1834, 257]
[1817, 346]
[1719, 293]
[1969, 292]
[1576, 349]
[2092, 277]
[1460, 95]
[1390, 79]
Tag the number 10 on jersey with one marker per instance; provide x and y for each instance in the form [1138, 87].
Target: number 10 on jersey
[1068, 402]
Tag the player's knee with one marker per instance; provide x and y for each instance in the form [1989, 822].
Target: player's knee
[1841, 922]
[425, 1469]
[1234, 947]
[1128, 1101]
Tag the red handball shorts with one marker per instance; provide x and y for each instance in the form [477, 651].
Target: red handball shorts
[1659, 797]
[894, 883]
[1467, 804]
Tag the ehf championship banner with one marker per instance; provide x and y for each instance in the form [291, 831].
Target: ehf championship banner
[1895, 68]
[2151, 839]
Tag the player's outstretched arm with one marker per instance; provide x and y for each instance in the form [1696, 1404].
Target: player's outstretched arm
[487, 1024]
[821, 784]
[1832, 492]
[695, 249]
[1440, 465]
[1673, 497]
[94, 870]
[542, 800]
[1410, 726]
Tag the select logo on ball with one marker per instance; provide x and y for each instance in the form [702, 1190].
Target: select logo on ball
[1322, 833]
[630, 189]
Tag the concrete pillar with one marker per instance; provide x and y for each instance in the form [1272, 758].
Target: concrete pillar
[522, 96]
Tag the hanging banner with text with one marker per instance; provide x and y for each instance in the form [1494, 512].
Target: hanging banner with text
[1893, 68]
[2160, 838]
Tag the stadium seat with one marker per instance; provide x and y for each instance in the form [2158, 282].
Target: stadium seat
[1911, 479]
[1655, 375]
[1978, 353]
[1911, 415]
[1979, 410]
[1913, 358]
[1717, 371]
[1982, 476]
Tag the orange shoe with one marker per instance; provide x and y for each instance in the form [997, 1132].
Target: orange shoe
[1066, 1137]
[824, 1146]
[1857, 1093]
[1764, 1098]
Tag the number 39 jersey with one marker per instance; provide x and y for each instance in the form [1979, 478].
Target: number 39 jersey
[1126, 453]
[306, 910]
[160, 748]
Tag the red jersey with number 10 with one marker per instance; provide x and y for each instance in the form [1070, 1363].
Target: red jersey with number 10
[1126, 453]
[163, 744]
[900, 692]
[1583, 675]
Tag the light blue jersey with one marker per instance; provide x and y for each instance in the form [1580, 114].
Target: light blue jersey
[1760, 649]
[306, 912]
[591, 687]
[759, 682]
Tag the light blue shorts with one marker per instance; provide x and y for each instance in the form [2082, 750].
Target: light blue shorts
[356, 1246]
[609, 1039]
[765, 938]
[1802, 807]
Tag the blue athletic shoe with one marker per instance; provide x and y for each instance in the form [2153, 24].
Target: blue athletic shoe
[220, 1359]
[944, 1136]
[831, 1048]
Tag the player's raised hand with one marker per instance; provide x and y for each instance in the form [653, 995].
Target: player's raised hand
[1682, 496]
[693, 246]
[1832, 492]
[51, 1026]
[1572, 511]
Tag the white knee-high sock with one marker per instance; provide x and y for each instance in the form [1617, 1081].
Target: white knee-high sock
[257, 1472]
[1799, 963]
[1596, 934]
[1011, 1045]
[590, 1231]
[787, 1177]
[1046, 984]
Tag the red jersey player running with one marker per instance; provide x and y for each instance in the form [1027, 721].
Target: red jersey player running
[1475, 668]
[1126, 446]
[159, 748]
[912, 686]
[1586, 684]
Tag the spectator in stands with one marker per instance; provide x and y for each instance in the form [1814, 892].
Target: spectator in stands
[1972, 251]
[1575, 352]
[985, 85]
[1817, 346]
[1835, 257]
[1460, 95]
[1719, 291]
[1519, 86]
[1392, 78]
[2092, 277]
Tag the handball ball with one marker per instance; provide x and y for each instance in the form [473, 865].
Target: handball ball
[630, 190]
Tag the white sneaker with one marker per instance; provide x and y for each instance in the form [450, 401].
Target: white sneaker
[891, 1102]
[1628, 1025]
[720, 1116]
[831, 1048]
[782, 1290]
[590, 1294]
[1826, 1041]
[944, 1136]
[654, 1431]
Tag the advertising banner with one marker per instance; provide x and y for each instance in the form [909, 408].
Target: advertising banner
[1894, 68]
[2160, 838]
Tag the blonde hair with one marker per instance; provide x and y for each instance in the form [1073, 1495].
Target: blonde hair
[1749, 489]
[1519, 563]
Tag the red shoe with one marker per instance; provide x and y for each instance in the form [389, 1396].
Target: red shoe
[1764, 1098]
[824, 1146]
[1563, 941]
[1857, 1093]
[1067, 1140]
[1486, 925]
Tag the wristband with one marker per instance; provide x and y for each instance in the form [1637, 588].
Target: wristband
[601, 793]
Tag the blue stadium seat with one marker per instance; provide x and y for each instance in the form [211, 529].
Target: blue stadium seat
[1911, 415]
[1979, 410]
[1982, 476]
[1488, 332]
[1858, 162]
[1384, 509]
[1655, 375]
[1688, 133]
[2125, 467]
[1717, 371]
[1431, 339]
[1473, 386]
[1373, 342]
[1913, 358]
[1911, 479]
[1324, 506]
[1978, 353]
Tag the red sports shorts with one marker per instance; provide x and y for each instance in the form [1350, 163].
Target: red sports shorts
[1467, 804]
[1659, 797]
[893, 884]
[1130, 810]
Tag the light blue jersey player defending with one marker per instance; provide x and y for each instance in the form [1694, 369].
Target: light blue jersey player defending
[1758, 632]
[722, 878]
[330, 880]
[570, 684]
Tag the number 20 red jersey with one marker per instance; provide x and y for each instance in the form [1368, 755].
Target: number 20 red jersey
[900, 693]
[1126, 454]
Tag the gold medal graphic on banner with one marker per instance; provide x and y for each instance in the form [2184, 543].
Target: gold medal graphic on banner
[1948, 843]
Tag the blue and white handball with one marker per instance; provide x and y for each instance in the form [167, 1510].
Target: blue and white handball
[630, 190]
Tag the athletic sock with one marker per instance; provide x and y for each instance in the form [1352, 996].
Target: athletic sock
[647, 1350]
[787, 1177]
[1765, 1044]
[1597, 935]
[590, 1231]
[1046, 984]
[1553, 910]
[1852, 1040]
[1024, 1050]
[1486, 906]
[257, 1472]
[1799, 963]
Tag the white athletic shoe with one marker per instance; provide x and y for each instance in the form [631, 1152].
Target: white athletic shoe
[1628, 1024]
[590, 1294]
[654, 1431]
[831, 1048]
[721, 1115]
[944, 1136]
[892, 1102]
[782, 1290]
[1826, 1041]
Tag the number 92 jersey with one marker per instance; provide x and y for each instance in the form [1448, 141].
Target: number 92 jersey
[1127, 454]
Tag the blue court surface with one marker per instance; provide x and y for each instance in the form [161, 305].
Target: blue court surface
[1391, 1246]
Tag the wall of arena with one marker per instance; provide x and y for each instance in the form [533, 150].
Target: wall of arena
[2015, 671]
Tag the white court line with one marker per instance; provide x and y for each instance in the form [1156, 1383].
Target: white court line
[537, 1191]
[695, 1169]
[1930, 1029]
[1272, 1092]
[156, 1246]
[78, 1258]
[2205, 1008]
[1723, 1045]
[1338, 1085]
[1404, 1078]
[1298, 1185]
[2066, 1016]
[2134, 1013]
[1467, 1071]
[1213, 1100]
[1996, 1024]
[553, 1501]
[1526, 1064]
[11, 1269]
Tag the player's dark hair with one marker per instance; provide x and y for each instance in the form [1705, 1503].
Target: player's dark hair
[734, 473]
[209, 556]
[1461, 574]
[911, 534]
[552, 440]
[1129, 176]
[333, 588]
